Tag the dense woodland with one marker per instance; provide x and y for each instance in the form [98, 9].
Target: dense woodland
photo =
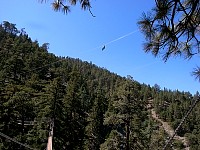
[91, 107]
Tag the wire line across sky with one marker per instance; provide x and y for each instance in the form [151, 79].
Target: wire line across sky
[100, 48]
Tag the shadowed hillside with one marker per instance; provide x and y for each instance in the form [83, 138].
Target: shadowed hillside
[87, 107]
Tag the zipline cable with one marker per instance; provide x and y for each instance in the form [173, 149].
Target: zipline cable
[98, 47]
[182, 121]
[103, 46]
[13, 140]
[121, 37]
[39, 68]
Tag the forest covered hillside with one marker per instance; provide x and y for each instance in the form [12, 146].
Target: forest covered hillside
[89, 107]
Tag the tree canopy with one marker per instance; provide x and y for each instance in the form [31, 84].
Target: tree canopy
[172, 28]
[90, 107]
[64, 6]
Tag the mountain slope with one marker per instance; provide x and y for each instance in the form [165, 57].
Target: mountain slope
[90, 107]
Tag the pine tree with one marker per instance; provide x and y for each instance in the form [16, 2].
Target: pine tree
[50, 109]
[171, 28]
[63, 6]
[74, 112]
[115, 141]
[124, 112]
[95, 130]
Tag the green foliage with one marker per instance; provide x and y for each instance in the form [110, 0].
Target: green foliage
[126, 113]
[95, 130]
[172, 107]
[91, 107]
[115, 141]
[62, 5]
[178, 144]
[171, 28]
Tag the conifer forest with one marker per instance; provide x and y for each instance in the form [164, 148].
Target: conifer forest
[83, 106]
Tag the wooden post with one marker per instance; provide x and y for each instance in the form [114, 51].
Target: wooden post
[50, 138]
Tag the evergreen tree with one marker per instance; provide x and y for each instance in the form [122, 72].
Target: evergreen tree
[50, 109]
[172, 28]
[74, 112]
[63, 6]
[115, 141]
[124, 112]
[91, 108]
[95, 130]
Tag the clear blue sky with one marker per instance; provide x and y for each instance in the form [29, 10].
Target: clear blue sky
[79, 35]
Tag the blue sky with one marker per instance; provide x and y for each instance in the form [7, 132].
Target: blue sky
[79, 35]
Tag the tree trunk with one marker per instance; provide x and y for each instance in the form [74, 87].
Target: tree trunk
[128, 135]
